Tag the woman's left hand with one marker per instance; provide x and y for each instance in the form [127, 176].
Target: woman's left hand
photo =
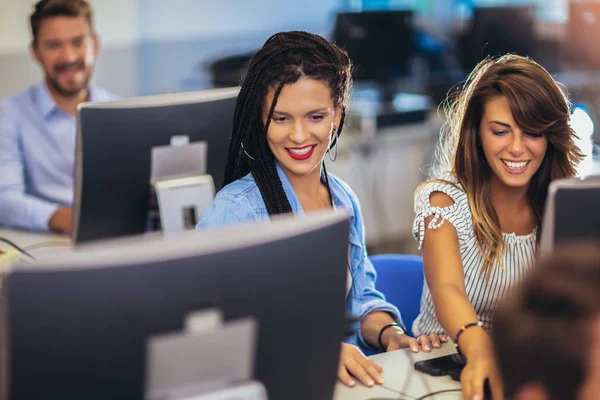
[433, 340]
[399, 340]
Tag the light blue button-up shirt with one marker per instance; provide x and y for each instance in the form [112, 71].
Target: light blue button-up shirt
[241, 201]
[37, 156]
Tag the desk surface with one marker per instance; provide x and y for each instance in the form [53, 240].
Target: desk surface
[36, 243]
[400, 377]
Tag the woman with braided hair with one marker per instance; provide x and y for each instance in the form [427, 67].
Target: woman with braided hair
[290, 112]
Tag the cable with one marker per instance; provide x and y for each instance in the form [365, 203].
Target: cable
[17, 247]
[439, 392]
[395, 392]
[408, 379]
[411, 370]
[404, 395]
[47, 243]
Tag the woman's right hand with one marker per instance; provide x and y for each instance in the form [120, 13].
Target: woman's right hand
[353, 363]
[479, 368]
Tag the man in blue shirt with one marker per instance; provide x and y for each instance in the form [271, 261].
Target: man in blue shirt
[38, 126]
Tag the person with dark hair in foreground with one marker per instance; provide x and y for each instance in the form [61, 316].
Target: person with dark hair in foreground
[289, 115]
[547, 336]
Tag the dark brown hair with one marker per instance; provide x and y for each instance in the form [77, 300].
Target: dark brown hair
[542, 333]
[538, 106]
[58, 8]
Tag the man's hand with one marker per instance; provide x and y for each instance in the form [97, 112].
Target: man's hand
[61, 220]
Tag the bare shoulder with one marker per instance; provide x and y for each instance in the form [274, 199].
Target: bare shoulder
[440, 199]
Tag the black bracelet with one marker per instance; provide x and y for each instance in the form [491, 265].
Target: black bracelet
[381, 348]
[461, 330]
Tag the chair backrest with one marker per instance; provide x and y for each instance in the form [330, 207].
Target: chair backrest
[400, 279]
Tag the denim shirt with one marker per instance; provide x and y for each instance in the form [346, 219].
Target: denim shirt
[241, 201]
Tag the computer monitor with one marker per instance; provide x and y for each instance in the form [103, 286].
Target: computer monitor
[113, 156]
[499, 30]
[571, 213]
[76, 325]
[381, 45]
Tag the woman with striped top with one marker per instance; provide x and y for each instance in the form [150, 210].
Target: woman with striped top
[506, 139]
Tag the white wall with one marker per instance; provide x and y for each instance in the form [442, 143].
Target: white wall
[150, 45]
[179, 38]
[184, 19]
[116, 22]
[14, 28]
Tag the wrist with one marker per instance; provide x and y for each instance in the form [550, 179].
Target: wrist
[54, 223]
[475, 343]
[389, 335]
[60, 220]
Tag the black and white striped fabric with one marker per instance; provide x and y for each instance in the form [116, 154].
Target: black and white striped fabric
[517, 257]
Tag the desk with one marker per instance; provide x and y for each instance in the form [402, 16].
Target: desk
[36, 243]
[400, 377]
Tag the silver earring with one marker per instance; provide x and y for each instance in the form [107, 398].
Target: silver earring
[337, 139]
[246, 153]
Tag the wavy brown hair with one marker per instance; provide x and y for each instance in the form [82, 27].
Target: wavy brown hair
[538, 105]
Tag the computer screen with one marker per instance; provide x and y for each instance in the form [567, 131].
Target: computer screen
[571, 213]
[499, 30]
[113, 156]
[381, 44]
[77, 325]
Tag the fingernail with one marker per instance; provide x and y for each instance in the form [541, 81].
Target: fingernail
[426, 348]
[370, 382]
[437, 346]
[476, 397]
[380, 380]
[414, 349]
[352, 383]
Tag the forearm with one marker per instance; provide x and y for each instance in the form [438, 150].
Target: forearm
[24, 211]
[454, 310]
[371, 325]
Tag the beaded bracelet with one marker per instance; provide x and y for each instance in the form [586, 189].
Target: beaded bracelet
[461, 330]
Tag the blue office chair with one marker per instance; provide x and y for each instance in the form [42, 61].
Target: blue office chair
[400, 279]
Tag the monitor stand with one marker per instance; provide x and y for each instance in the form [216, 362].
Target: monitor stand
[387, 93]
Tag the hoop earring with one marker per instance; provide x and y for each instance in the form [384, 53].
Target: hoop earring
[246, 153]
[337, 139]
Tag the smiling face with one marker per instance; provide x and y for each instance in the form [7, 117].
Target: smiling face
[66, 48]
[514, 156]
[301, 126]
